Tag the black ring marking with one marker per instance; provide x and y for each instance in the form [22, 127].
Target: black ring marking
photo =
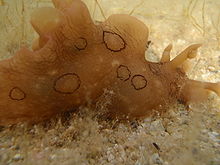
[120, 75]
[17, 90]
[81, 47]
[106, 44]
[138, 78]
[66, 75]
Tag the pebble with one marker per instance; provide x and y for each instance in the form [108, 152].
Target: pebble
[52, 157]
[157, 126]
[110, 157]
[211, 68]
[214, 136]
[17, 157]
[156, 159]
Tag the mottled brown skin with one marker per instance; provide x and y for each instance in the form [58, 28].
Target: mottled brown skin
[74, 60]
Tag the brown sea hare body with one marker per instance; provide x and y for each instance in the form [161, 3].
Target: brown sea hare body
[74, 60]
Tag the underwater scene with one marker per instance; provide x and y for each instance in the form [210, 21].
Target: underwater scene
[110, 82]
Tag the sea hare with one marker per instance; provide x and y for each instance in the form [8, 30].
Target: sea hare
[74, 60]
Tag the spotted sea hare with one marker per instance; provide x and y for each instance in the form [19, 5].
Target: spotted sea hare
[74, 60]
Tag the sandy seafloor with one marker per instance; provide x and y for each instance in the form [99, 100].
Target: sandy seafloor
[181, 137]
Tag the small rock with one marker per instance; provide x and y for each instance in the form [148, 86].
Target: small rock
[52, 157]
[214, 136]
[211, 68]
[17, 157]
[157, 126]
[111, 157]
[156, 159]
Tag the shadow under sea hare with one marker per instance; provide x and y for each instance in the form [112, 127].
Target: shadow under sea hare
[74, 60]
